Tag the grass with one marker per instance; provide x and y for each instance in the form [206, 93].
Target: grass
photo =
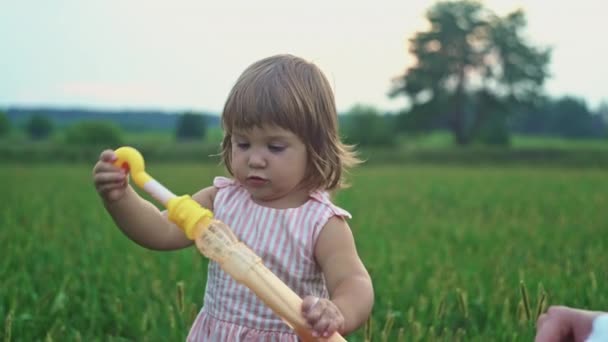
[442, 140]
[455, 253]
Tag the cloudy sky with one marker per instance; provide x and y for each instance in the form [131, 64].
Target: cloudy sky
[186, 54]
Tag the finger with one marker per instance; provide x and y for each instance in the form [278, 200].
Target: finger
[333, 326]
[308, 302]
[540, 321]
[553, 325]
[102, 166]
[321, 326]
[584, 325]
[107, 185]
[104, 189]
[107, 156]
[336, 322]
[552, 331]
[316, 314]
[110, 177]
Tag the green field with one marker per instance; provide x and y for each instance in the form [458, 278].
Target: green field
[455, 253]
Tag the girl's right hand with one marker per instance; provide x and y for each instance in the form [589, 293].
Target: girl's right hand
[110, 180]
[323, 316]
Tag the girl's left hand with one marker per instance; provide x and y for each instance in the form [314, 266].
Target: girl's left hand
[322, 315]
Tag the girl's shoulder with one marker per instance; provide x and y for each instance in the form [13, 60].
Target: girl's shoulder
[331, 209]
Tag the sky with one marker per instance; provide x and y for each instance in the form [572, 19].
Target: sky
[186, 54]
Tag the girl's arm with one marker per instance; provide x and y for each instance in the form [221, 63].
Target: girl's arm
[146, 225]
[348, 282]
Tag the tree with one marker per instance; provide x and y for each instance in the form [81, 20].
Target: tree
[572, 118]
[39, 127]
[534, 120]
[5, 124]
[364, 126]
[467, 57]
[567, 117]
[191, 126]
[602, 111]
[494, 129]
[94, 133]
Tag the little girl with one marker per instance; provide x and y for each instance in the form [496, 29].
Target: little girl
[282, 149]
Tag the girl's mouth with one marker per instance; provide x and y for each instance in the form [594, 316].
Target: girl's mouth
[256, 181]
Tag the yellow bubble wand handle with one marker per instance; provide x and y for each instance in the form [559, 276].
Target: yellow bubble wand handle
[216, 240]
[132, 161]
[183, 210]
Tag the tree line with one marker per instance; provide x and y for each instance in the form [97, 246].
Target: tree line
[564, 117]
[188, 126]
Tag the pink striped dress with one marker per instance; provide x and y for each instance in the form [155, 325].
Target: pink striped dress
[285, 240]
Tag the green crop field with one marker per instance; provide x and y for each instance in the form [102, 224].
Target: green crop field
[455, 253]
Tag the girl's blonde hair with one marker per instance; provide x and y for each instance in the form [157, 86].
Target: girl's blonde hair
[291, 93]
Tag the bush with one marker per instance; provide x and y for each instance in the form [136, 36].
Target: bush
[364, 126]
[5, 125]
[495, 131]
[191, 126]
[96, 133]
[39, 127]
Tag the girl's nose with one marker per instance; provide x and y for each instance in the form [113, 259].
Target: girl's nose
[256, 161]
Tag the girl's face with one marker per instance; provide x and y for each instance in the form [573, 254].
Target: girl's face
[270, 162]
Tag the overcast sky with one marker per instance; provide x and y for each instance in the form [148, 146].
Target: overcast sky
[186, 54]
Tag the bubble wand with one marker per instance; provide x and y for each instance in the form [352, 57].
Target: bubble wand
[215, 240]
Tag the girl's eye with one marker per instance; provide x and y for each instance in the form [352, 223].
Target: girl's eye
[242, 146]
[276, 148]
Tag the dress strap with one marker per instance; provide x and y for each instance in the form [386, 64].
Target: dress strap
[223, 182]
